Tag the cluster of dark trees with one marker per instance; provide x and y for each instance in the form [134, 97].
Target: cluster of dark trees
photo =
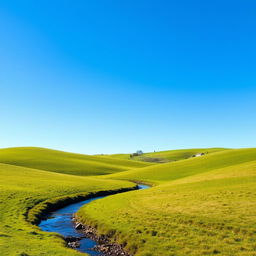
[137, 153]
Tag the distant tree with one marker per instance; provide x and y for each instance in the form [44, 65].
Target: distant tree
[139, 152]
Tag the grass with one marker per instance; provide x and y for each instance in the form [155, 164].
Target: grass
[199, 206]
[168, 155]
[21, 189]
[179, 169]
[63, 162]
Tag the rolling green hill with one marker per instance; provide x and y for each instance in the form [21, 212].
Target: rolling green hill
[168, 155]
[179, 169]
[200, 206]
[22, 188]
[63, 162]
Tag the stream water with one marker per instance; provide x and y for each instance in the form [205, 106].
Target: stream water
[60, 221]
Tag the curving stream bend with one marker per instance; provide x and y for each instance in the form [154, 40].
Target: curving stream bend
[60, 221]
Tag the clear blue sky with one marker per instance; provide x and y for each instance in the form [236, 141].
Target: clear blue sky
[116, 76]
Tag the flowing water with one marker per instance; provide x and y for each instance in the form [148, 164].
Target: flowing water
[60, 221]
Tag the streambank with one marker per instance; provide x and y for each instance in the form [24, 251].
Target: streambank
[103, 242]
[78, 236]
[41, 211]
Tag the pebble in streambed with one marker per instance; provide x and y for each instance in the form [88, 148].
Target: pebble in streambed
[103, 242]
[81, 238]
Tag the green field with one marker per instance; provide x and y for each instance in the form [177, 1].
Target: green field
[179, 169]
[63, 162]
[167, 156]
[197, 206]
[21, 189]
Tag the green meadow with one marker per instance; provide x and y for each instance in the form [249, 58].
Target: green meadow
[167, 156]
[188, 167]
[23, 188]
[63, 162]
[197, 205]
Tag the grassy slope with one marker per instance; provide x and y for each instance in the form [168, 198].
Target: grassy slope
[203, 206]
[176, 170]
[63, 162]
[21, 188]
[168, 155]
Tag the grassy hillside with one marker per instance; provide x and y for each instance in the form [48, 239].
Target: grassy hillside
[63, 162]
[198, 206]
[180, 154]
[22, 188]
[203, 206]
[188, 167]
[168, 155]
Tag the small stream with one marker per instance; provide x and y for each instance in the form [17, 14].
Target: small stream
[60, 221]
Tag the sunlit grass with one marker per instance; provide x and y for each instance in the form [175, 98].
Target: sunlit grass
[64, 162]
[21, 189]
[168, 155]
[203, 206]
[185, 168]
[198, 206]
